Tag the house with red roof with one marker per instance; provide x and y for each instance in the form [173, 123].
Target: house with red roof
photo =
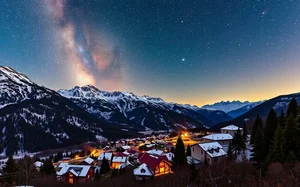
[74, 174]
[159, 165]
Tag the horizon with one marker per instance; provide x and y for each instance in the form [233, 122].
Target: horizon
[193, 53]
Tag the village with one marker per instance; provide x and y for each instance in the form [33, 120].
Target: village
[145, 158]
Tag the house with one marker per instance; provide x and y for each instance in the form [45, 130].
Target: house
[231, 129]
[159, 165]
[221, 138]
[170, 156]
[74, 174]
[108, 156]
[211, 153]
[88, 161]
[143, 172]
[117, 161]
[38, 165]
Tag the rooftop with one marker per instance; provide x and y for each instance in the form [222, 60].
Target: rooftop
[107, 156]
[143, 170]
[231, 127]
[77, 170]
[218, 136]
[213, 149]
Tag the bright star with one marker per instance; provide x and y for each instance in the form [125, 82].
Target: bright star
[183, 59]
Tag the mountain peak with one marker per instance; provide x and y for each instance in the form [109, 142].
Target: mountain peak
[227, 106]
[7, 73]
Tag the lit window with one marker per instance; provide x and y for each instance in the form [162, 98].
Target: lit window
[161, 170]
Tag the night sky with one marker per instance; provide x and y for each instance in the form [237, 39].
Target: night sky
[186, 51]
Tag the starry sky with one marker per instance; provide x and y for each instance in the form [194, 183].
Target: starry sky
[186, 51]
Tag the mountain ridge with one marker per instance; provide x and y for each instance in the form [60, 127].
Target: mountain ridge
[125, 103]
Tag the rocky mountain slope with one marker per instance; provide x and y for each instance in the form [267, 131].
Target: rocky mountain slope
[34, 118]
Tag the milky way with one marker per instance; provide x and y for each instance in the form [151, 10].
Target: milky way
[93, 62]
[186, 51]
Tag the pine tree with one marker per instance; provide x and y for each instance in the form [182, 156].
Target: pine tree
[188, 151]
[10, 168]
[257, 123]
[230, 152]
[237, 142]
[172, 150]
[180, 158]
[292, 108]
[290, 136]
[259, 147]
[281, 119]
[48, 167]
[270, 128]
[276, 151]
[105, 166]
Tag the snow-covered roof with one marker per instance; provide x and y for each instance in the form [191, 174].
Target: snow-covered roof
[119, 159]
[143, 170]
[88, 160]
[155, 152]
[231, 128]
[38, 164]
[108, 156]
[191, 159]
[213, 149]
[218, 136]
[77, 170]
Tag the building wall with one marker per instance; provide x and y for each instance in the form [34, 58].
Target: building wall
[115, 165]
[162, 168]
[142, 178]
[197, 153]
[231, 132]
[72, 179]
[216, 160]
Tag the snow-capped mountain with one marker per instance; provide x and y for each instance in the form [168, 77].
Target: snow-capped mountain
[278, 104]
[232, 108]
[244, 109]
[141, 111]
[34, 118]
[226, 106]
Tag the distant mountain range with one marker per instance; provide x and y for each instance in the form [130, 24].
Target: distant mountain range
[279, 103]
[232, 108]
[145, 112]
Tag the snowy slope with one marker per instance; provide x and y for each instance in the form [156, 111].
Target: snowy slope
[243, 110]
[140, 111]
[33, 118]
[226, 106]
[232, 108]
